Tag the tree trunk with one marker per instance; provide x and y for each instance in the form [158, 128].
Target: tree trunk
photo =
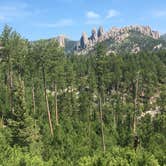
[23, 88]
[135, 104]
[114, 112]
[47, 104]
[102, 125]
[89, 124]
[56, 105]
[33, 99]
[34, 102]
[1, 124]
[11, 89]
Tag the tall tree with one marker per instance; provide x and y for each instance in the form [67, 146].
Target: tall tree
[100, 66]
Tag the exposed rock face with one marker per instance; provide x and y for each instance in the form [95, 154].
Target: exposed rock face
[100, 32]
[157, 47]
[155, 35]
[61, 40]
[77, 46]
[116, 34]
[135, 49]
[84, 41]
[94, 37]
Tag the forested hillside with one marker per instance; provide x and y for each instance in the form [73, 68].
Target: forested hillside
[163, 36]
[86, 110]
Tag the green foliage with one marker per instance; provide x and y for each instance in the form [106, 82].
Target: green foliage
[74, 84]
[120, 157]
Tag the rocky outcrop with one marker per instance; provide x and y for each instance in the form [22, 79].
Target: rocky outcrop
[136, 49]
[157, 47]
[84, 42]
[116, 34]
[93, 39]
[100, 33]
[61, 40]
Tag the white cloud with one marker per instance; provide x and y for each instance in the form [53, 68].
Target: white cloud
[12, 11]
[59, 24]
[93, 18]
[9, 12]
[159, 13]
[92, 15]
[112, 13]
[97, 19]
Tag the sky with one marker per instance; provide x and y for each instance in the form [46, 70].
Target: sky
[42, 19]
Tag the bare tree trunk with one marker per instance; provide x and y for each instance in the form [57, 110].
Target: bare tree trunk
[34, 102]
[102, 125]
[89, 125]
[56, 105]
[23, 88]
[33, 99]
[135, 104]
[11, 89]
[1, 124]
[47, 104]
[114, 112]
[10, 83]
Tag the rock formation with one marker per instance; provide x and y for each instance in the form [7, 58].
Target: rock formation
[61, 40]
[157, 47]
[116, 34]
[136, 49]
[84, 41]
[100, 32]
[94, 37]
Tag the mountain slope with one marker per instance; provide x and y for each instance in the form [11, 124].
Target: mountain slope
[70, 45]
[128, 39]
[163, 37]
[136, 42]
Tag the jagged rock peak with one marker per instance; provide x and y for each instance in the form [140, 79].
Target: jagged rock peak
[100, 32]
[93, 37]
[94, 31]
[61, 40]
[116, 34]
[84, 40]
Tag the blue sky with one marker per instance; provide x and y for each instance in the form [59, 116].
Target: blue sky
[36, 19]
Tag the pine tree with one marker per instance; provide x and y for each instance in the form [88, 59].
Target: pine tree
[17, 120]
[100, 66]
